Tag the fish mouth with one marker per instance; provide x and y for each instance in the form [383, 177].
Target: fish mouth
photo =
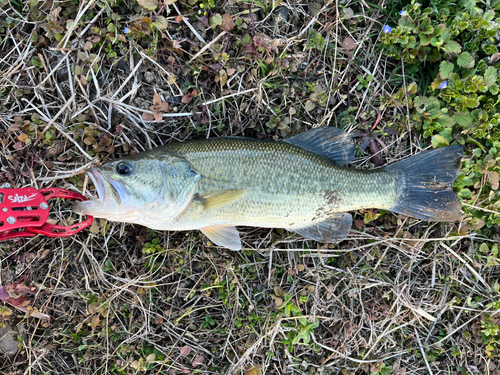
[108, 194]
[98, 181]
[105, 188]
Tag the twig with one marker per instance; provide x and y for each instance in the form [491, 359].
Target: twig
[229, 96]
[40, 85]
[195, 32]
[471, 269]
[423, 352]
[132, 73]
[58, 114]
[81, 12]
[69, 174]
[207, 46]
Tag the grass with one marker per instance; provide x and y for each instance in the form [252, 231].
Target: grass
[77, 84]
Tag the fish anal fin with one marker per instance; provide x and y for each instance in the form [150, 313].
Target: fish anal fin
[223, 235]
[334, 229]
[220, 198]
[334, 143]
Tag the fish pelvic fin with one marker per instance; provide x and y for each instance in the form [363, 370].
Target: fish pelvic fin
[333, 229]
[219, 198]
[334, 143]
[223, 235]
[426, 181]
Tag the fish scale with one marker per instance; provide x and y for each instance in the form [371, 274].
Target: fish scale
[286, 185]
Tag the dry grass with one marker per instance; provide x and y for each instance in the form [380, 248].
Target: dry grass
[405, 293]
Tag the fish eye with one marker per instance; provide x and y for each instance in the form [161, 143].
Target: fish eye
[123, 168]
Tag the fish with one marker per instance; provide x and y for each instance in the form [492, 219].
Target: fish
[303, 184]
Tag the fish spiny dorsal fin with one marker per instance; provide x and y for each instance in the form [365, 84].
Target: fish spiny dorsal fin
[219, 198]
[334, 143]
[223, 235]
[333, 229]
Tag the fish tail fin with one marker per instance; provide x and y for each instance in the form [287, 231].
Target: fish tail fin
[426, 184]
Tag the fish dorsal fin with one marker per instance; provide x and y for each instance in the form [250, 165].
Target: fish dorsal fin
[333, 229]
[334, 143]
[219, 198]
[223, 235]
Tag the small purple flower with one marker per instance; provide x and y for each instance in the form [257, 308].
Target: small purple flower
[126, 30]
[403, 13]
[443, 85]
[387, 29]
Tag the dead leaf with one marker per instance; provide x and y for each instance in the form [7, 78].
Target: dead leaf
[95, 321]
[31, 311]
[198, 360]
[161, 23]
[268, 42]
[172, 79]
[186, 98]
[185, 350]
[349, 43]
[94, 228]
[5, 311]
[493, 178]
[23, 137]
[494, 58]
[222, 77]
[148, 4]
[348, 13]
[3, 294]
[43, 253]
[309, 106]
[227, 22]
[252, 370]
[476, 328]
[477, 224]
[158, 116]
[147, 116]
[158, 320]
[88, 45]
[301, 267]
[359, 224]
[156, 99]
[329, 293]
[158, 108]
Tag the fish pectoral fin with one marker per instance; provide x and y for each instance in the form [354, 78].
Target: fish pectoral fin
[223, 235]
[334, 143]
[333, 229]
[220, 198]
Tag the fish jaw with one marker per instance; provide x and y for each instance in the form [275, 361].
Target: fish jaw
[109, 198]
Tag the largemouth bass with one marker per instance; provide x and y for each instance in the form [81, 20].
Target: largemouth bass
[300, 184]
